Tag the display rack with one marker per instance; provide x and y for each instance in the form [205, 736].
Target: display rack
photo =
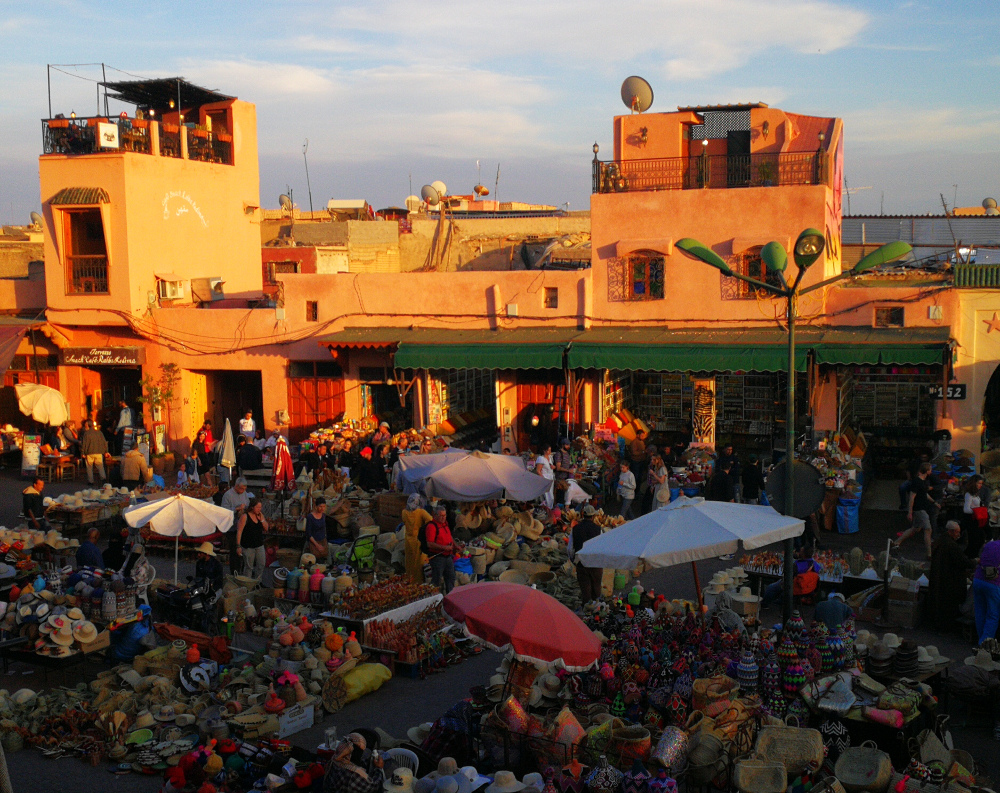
[745, 404]
[662, 398]
[617, 392]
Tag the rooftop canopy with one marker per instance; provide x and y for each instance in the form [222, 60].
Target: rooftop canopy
[157, 94]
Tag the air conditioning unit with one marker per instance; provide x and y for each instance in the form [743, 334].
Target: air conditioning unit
[171, 290]
[205, 290]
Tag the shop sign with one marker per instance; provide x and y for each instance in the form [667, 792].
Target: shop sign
[103, 356]
[955, 391]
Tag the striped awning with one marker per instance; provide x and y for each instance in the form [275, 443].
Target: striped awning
[80, 196]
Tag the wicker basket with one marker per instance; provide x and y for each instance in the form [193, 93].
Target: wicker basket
[757, 775]
[864, 768]
[798, 748]
[631, 744]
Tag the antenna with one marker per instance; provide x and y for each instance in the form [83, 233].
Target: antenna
[305, 148]
[496, 188]
[637, 94]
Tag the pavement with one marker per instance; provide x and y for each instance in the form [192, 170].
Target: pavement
[403, 703]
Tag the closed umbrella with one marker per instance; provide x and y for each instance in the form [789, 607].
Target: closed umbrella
[227, 457]
[479, 476]
[687, 530]
[42, 403]
[179, 515]
[536, 626]
[282, 477]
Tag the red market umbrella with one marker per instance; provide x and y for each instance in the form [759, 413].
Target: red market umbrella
[283, 477]
[536, 626]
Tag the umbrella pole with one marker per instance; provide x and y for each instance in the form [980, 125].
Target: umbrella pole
[697, 586]
[177, 544]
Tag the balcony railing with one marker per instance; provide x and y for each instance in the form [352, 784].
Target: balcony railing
[87, 275]
[977, 276]
[80, 136]
[717, 171]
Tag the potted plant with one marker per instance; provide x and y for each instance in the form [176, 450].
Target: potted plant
[767, 173]
[158, 394]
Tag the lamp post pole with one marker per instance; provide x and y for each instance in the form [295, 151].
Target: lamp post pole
[808, 248]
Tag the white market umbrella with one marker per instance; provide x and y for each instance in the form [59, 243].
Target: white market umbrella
[227, 455]
[686, 530]
[42, 403]
[479, 476]
[411, 470]
[177, 515]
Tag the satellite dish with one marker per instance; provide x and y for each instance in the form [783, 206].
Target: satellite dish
[430, 194]
[481, 190]
[808, 485]
[285, 201]
[413, 203]
[992, 211]
[989, 203]
[440, 187]
[637, 94]
[36, 220]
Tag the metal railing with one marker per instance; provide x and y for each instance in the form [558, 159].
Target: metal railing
[977, 276]
[87, 275]
[716, 171]
[80, 135]
[170, 140]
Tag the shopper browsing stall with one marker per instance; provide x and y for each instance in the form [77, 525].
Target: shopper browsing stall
[440, 548]
[250, 539]
[589, 578]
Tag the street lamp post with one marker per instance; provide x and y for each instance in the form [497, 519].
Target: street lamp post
[808, 248]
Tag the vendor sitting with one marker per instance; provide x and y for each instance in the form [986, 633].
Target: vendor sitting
[351, 771]
[833, 611]
[33, 506]
[805, 581]
[208, 568]
[88, 554]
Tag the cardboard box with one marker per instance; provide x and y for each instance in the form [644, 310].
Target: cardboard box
[102, 642]
[295, 719]
[904, 613]
[903, 589]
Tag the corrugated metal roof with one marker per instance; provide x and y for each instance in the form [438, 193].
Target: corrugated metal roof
[931, 230]
[70, 196]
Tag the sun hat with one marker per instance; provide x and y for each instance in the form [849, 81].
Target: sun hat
[891, 640]
[476, 779]
[939, 660]
[207, 548]
[446, 767]
[165, 713]
[75, 614]
[143, 719]
[63, 636]
[418, 734]
[446, 784]
[589, 511]
[84, 632]
[401, 781]
[23, 696]
[505, 782]
[983, 660]
[534, 780]
[746, 595]
[663, 495]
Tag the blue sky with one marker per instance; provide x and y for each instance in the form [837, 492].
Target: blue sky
[383, 90]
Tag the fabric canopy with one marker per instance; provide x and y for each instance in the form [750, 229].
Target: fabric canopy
[42, 403]
[10, 339]
[479, 476]
[487, 355]
[866, 355]
[412, 469]
[684, 357]
[687, 530]
[536, 626]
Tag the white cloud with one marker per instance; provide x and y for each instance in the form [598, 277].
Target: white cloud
[908, 128]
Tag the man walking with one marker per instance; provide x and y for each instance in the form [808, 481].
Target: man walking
[919, 509]
[93, 447]
[589, 578]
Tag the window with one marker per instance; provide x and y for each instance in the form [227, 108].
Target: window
[86, 254]
[297, 369]
[312, 311]
[749, 264]
[552, 297]
[280, 268]
[889, 317]
[371, 374]
[647, 276]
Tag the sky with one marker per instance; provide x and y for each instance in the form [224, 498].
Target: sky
[391, 94]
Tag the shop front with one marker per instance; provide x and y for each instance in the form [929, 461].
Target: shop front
[103, 377]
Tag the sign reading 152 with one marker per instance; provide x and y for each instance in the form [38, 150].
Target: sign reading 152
[955, 391]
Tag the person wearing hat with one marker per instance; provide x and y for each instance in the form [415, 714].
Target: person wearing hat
[381, 435]
[89, 555]
[208, 568]
[371, 472]
[348, 773]
[833, 611]
[948, 586]
[589, 578]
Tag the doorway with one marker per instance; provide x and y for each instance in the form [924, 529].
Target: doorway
[737, 158]
[221, 395]
[543, 409]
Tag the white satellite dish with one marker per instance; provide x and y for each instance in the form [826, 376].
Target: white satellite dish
[36, 220]
[413, 203]
[430, 194]
[440, 187]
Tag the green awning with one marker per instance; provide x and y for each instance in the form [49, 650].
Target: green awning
[485, 355]
[893, 354]
[683, 357]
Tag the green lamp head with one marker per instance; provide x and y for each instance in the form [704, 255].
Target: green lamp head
[697, 250]
[774, 257]
[889, 252]
[809, 247]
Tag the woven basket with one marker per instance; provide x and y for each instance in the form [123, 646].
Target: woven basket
[631, 744]
[798, 748]
[863, 768]
[757, 775]
[478, 557]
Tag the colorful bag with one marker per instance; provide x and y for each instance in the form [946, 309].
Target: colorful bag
[672, 748]
[706, 690]
[890, 718]
[631, 744]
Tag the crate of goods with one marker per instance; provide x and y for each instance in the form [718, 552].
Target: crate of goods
[903, 589]
[389, 510]
[904, 613]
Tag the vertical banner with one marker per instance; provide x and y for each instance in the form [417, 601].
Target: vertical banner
[31, 453]
[703, 412]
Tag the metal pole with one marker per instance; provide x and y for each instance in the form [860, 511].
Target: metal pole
[305, 148]
[789, 569]
[48, 82]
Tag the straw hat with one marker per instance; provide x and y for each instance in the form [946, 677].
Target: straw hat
[476, 779]
[505, 782]
[663, 495]
[891, 640]
[75, 614]
[143, 719]
[497, 568]
[63, 636]
[84, 632]
[418, 734]
[934, 653]
[446, 767]
[401, 781]
[207, 548]
[513, 577]
[165, 713]
[745, 595]
[983, 660]
[307, 559]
